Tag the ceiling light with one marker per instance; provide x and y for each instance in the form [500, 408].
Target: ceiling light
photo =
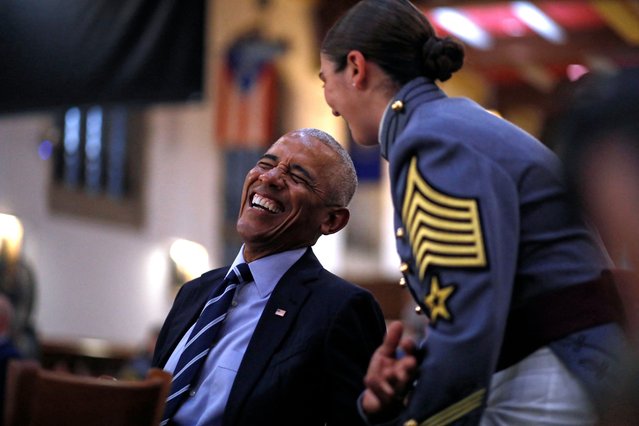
[458, 24]
[538, 21]
[513, 27]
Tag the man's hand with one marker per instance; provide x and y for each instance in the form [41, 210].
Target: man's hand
[389, 376]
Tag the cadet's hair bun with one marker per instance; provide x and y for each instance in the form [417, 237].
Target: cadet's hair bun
[442, 57]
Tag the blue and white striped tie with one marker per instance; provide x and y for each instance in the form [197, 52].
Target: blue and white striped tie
[202, 338]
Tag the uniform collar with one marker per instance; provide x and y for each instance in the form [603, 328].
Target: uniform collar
[399, 109]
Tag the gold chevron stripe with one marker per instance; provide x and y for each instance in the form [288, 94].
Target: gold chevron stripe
[437, 222]
[456, 411]
[432, 234]
[443, 230]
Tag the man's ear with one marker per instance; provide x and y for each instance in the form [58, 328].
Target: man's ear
[335, 221]
[356, 66]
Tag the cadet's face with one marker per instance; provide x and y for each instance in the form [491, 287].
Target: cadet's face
[283, 196]
[344, 101]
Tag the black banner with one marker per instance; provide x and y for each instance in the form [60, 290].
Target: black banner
[57, 53]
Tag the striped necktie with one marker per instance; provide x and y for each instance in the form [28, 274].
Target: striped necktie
[202, 338]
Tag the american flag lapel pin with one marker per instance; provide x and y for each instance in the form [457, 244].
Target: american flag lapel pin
[280, 312]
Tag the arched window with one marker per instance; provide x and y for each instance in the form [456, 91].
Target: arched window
[98, 163]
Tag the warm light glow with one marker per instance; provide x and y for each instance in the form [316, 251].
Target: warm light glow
[191, 259]
[459, 24]
[575, 71]
[157, 267]
[538, 21]
[329, 249]
[157, 285]
[11, 233]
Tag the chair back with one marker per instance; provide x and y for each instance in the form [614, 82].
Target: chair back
[35, 397]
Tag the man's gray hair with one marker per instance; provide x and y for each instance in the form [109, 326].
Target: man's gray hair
[344, 184]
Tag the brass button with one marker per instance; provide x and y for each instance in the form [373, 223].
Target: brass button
[397, 106]
[399, 233]
[411, 422]
[418, 310]
[403, 267]
[402, 282]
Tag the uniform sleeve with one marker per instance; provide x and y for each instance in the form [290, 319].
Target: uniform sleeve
[461, 222]
[355, 333]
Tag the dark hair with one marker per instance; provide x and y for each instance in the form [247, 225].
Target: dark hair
[395, 35]
[601, 108]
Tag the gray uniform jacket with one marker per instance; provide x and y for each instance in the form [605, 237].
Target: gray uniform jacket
[490, 252]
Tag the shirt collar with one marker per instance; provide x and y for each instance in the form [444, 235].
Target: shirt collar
[268, 271]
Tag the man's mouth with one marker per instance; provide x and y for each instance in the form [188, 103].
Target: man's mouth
[264, 203]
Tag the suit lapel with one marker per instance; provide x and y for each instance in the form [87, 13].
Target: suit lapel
[191, 304]
[289, 295]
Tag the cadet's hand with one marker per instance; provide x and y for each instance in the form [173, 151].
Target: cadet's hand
[389, 377]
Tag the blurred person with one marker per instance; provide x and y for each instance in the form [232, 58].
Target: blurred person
[8, 349]
[295, 347]
[599, 141]
[598, 138]
[18, 284]
[521, 326]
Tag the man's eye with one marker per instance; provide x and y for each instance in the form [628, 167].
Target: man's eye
[299, 179]
[265, 165]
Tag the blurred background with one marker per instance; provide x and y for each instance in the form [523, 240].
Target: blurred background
[126, 129]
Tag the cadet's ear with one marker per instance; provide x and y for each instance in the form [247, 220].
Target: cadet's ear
[356, 66]
[336, 219]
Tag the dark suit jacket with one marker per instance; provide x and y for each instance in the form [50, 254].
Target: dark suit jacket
[303, 368]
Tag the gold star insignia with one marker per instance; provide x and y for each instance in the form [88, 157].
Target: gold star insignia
[436, 300]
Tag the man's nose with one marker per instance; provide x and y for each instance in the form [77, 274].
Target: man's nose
[274, 176]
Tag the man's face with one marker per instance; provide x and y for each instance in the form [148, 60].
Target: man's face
[283, 196]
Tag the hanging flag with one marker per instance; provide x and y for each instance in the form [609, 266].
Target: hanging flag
[246, 98]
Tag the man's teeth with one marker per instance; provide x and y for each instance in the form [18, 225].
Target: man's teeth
[265, 203]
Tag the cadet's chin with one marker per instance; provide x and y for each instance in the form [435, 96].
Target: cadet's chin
[361, 140]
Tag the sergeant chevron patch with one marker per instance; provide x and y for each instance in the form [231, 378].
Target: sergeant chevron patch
[443, 230]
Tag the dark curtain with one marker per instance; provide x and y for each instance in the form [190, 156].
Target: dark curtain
[56, 53]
